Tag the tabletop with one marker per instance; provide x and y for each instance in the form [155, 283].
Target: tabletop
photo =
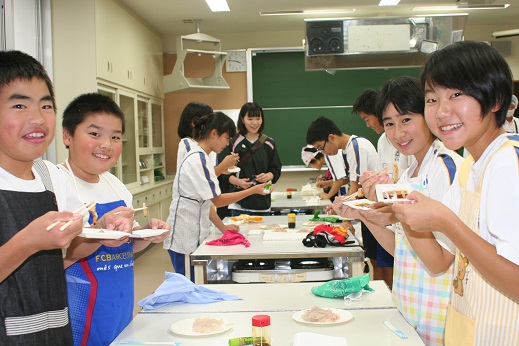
[280, 201]
[282, 297]
[364, 329]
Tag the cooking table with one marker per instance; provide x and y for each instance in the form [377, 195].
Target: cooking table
[281, 297]
[260, 249]
[365, 329]
[280, 201]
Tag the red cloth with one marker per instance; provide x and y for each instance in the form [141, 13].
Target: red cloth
[230, 237]
[338, 232]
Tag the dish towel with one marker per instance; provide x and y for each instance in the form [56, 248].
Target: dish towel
[178, 289]
[312, 339]
[230, 237]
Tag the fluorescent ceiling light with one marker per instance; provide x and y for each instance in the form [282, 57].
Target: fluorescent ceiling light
[388, 2]
[460, 7]
[306, 12]
[218, 5]
[505, 33]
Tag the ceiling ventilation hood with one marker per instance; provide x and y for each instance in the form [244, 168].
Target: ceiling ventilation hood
[388, 42]
[194, 50]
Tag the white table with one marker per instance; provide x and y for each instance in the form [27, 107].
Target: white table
[260, 249]
[365, 329]
[281, 297]
[280, 201]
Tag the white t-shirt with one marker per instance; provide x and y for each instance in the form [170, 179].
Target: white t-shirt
[387, 154]
[512, 126]
[366, 159]
[194, 186]
[66, 196]
[108, 189]
[498, 216]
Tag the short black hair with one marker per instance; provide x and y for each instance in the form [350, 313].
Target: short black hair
[252, 109]
[218, 121]
[191, 111]
[476, 69]
[18, 65]
[365, 103]
[320, 129]
[87, 104]
[405, 93]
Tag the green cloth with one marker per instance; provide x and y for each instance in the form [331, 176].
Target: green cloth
[341, 288]
[328, 218]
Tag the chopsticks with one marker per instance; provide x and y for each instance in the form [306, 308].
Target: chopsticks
[352, 196]
[83, 210]
[144, 209]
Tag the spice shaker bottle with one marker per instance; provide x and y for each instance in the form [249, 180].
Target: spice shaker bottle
[261, 330]
[291, 220]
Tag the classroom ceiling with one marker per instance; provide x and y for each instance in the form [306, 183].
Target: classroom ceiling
[168, 17]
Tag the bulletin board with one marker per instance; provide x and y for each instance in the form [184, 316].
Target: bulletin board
[292, 98]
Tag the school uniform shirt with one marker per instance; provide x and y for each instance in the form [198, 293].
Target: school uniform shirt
[337, 169]
[388, 154]
[511, 126]
[100, 287]
[185, 145]
[360, 155]
[485, 197]
[423, 299]
[194, 186]
[33, 304]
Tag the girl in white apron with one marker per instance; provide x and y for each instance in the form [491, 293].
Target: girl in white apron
[468, 88]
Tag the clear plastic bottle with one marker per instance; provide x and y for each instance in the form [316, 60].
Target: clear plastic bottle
[261, 330]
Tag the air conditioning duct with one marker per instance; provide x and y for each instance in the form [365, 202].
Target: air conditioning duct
[387, 42]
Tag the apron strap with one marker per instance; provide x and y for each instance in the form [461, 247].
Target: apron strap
[42, 169]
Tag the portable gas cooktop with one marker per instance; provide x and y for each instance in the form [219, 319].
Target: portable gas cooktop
[286, 270]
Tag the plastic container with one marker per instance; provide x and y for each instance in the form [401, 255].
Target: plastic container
[243, 341]
[291, 220]
[261, 330]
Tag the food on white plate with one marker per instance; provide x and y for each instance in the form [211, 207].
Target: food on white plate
[207, 325]
[395, 194]
[247, 218]
[320, 315]
[362, 204]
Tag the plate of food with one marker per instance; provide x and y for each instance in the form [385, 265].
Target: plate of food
[392, 193]
[361, 204]
[233, 169]
[144, 233]
[99, 233]
[247, 218]
[272, 226]
[200, 326]
[320, 316]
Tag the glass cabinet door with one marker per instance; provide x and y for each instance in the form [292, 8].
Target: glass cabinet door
[111, 94]
[142, 123]
[127, 102]
[156, 124]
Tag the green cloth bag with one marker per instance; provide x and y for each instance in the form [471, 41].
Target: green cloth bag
[328, 218]
[342, 288]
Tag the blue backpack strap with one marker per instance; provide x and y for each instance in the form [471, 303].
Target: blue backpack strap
[450, 165]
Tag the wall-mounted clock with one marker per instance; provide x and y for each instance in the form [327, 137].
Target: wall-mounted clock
[236, 61]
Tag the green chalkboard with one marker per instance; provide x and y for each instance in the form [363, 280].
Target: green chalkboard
[292, 98]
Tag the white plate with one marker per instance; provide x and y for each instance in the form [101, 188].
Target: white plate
[268, 227]
[97, 233]
[356, 204]
[234, 169]
[143, 233]
[185, 327]
[384, 189]
[344, 316]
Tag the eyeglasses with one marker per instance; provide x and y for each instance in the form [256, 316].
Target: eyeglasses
[321, 148]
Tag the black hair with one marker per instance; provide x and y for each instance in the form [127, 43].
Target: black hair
[365, 103]
[214, 121]
[476, 69]
[405, 93]
[192, 111]
[320, 129]
[18, 65]
[87, 104]
[252, 109]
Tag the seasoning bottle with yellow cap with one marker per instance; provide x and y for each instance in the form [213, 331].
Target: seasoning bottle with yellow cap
[291, 220]
[261, 330]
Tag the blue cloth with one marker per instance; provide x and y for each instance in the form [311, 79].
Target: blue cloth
[178, 289]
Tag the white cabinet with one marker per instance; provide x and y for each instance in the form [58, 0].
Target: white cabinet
[157, 199]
